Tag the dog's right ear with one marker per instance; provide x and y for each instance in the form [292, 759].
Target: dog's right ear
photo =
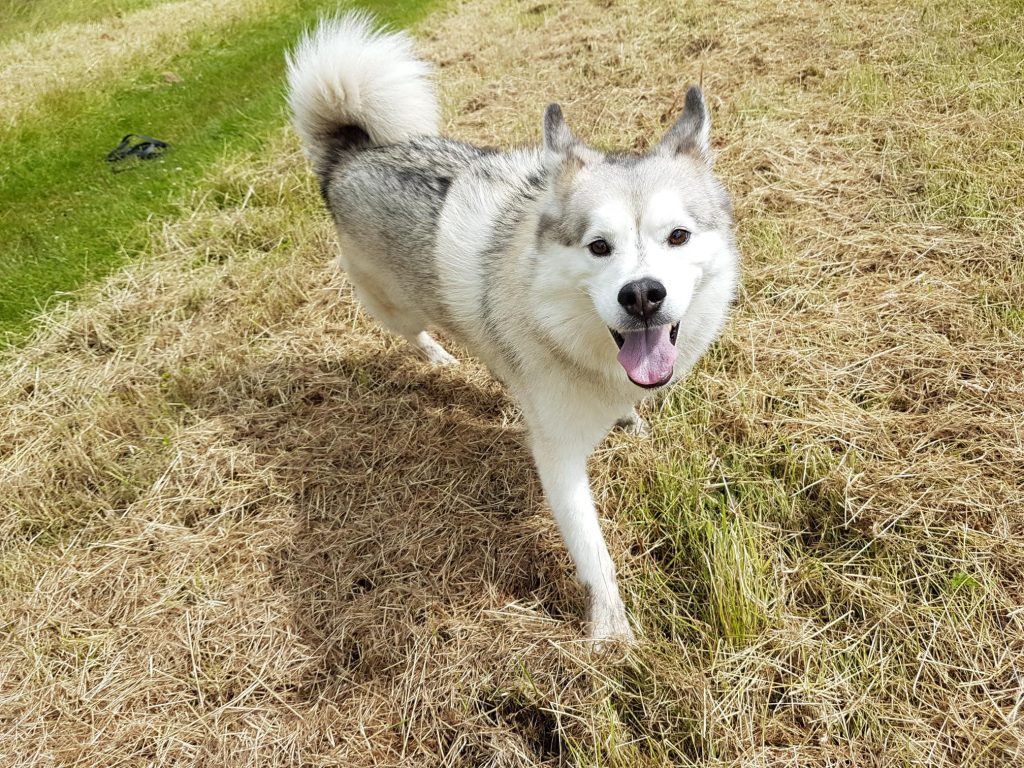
[557, 136]
[566, 153]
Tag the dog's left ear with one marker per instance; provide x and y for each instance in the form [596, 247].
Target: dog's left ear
[692, 132]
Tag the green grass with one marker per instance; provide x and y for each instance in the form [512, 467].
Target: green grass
[25, 17]
[66, 218]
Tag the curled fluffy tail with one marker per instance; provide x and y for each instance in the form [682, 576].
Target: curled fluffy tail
[352, 85]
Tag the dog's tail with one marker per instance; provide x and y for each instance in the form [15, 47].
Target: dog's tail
[352, 85]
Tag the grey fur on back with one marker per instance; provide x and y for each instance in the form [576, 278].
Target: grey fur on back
[389, 200]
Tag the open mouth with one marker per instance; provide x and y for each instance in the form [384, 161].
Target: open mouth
[648, 355]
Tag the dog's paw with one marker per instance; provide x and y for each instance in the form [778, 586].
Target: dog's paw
[634, 425]
[428, 348]
[609, 626]
[440, 356]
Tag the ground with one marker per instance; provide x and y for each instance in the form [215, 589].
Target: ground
[241, 525]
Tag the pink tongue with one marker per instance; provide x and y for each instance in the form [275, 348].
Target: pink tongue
[648, 355]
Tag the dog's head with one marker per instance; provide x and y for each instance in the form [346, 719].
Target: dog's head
[627, 241]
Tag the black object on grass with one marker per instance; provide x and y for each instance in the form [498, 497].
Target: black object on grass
[146, 148]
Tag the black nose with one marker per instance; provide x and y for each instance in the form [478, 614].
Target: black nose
[642, 298]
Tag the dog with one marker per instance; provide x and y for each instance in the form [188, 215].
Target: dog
[584, 280]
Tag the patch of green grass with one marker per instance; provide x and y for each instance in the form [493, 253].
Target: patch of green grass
[30, 16]
[66, 218]
[719, 510]
[868, 86]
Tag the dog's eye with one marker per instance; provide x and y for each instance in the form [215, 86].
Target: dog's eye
[678, 237]
[600, 248]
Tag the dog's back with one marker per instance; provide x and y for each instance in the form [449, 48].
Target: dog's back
[367, 113]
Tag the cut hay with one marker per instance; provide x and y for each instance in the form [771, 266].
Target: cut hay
[83, 58]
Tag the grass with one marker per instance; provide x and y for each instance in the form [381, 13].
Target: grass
[241, 525]
[67, 219]
[25, 17]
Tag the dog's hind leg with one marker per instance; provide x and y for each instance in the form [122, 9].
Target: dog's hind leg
[429, 348]
[633, 424]
[406, 324]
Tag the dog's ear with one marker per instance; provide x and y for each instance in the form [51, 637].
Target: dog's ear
[566, 153]
[557, 136]
[692, 131]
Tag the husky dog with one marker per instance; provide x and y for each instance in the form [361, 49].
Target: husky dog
[584, 280]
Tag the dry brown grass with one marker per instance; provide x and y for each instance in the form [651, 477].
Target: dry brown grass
[243, 526]
[40, 69]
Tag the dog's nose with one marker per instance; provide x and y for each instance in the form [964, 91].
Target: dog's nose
[642, 298]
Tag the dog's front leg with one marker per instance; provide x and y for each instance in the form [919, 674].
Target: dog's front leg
[562, 464]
